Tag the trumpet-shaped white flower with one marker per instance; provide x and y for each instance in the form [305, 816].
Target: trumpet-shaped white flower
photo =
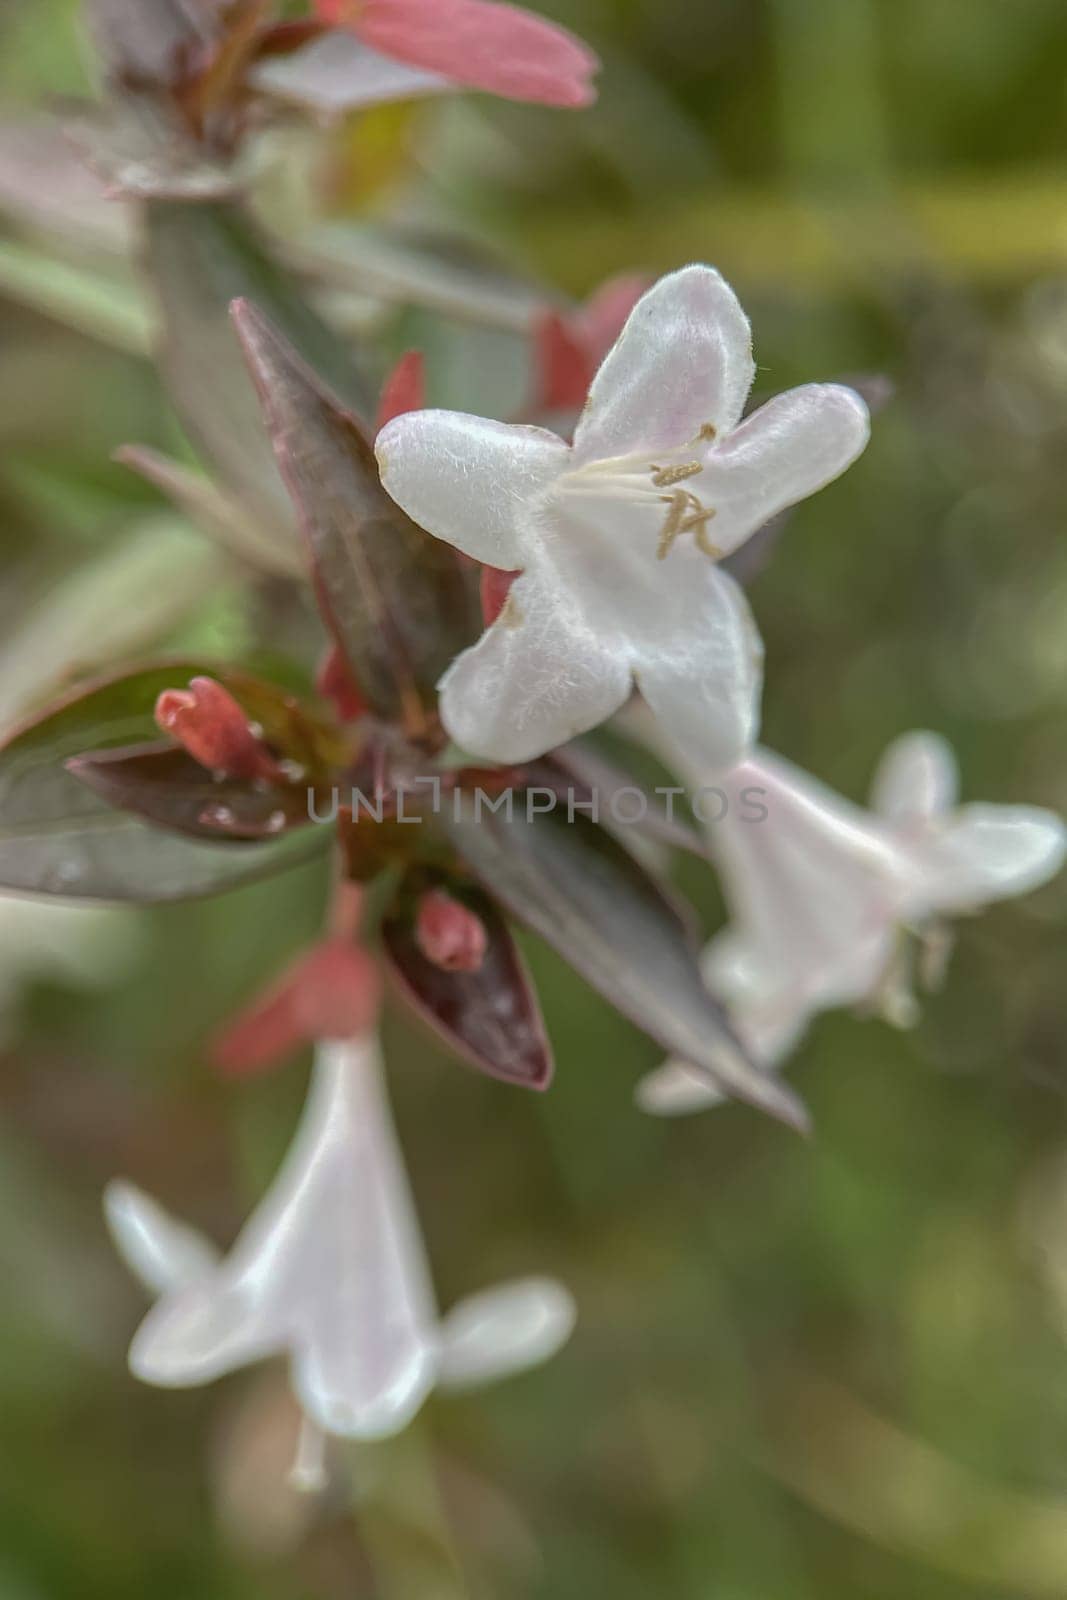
[330, 1269]
[821, 893]
[618, 536]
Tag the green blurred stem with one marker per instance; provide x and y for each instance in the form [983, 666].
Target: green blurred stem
[402, 1520]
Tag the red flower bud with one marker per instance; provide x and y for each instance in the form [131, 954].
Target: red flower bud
[403, 390]
[207, 721]
[495, 587]
[331, 992]
[334, 681]
[564, 370]
[449, 934]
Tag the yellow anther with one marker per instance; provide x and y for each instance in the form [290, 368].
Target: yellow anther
[667, 477]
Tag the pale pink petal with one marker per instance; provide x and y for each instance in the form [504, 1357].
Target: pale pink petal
[985, 853]
[917, 779]
[701, 671]
[467, 480]
[682, 364]
[330, 1267]
[795, 444]
[504, 1330]
[537, 678]
[500, 48]
[336, 74]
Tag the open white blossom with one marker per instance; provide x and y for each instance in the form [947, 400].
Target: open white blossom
[330, 1269]
[618, 536]
[823, 893]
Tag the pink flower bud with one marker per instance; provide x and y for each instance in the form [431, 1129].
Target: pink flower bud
[403, 390]
[500, 48]
[334, 681]
[331, 992]
[449, 934]
[495, 587]
[208, 722]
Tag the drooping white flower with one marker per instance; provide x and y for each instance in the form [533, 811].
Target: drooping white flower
[618, 535]
[822, 893]
[331, 1270]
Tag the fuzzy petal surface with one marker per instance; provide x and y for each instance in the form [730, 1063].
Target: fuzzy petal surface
[505, 1330]
[538, 677]
[468, 480]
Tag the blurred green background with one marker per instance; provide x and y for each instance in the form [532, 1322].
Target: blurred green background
[825, 1370]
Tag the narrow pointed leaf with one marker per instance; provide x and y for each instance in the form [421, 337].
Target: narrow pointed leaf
[580, 890]
[491, 1017]
[600, 777]
[215, 513]
[398, 602]
[200, 258]
[150, 41]
[163, 784]
[57, 837]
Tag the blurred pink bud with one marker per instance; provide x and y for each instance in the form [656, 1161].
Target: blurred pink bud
[568, 348]
[449, 934]
[331, 992]
[403, 390]
[208, 722]
[495, 588]
[334, 681]
[478, 43]
[564, 369]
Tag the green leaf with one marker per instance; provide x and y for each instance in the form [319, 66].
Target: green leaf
[586, 896]
[200, 258]
[398, 602]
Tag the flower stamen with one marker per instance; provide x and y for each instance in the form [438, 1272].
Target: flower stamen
[667, 477]
[687, 514]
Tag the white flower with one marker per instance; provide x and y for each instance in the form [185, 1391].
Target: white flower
[822, 892]
[331, 1270]
[618, 536]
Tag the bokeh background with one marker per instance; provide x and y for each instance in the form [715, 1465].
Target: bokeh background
[815, 1370]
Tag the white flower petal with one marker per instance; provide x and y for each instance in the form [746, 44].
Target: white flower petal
[699, 666]
[988, 852]
[198, 1333]
[537, 677]
[676, 1090]
[163, 1254]
[917, 779]
[335, 74]
[467, 480]
[330, 1267]
[795, 444]
[815, 890]
[505, 1330]
[682, 363]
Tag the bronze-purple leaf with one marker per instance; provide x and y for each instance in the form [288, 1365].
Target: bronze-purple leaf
[576, 886]
[490, 1017]
[398, 602]
[163, 784]
[58, 837]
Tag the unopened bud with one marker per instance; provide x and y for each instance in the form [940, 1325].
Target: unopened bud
[449, 934]
[332, 992]
[208, 722]
[334, 681]
[495, 588]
